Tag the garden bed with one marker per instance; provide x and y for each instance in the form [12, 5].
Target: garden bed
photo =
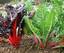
[26, 47]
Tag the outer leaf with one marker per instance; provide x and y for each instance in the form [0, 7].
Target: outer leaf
[44, 20]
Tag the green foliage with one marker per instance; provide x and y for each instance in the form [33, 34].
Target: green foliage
[48, 18]
[28, 5]
[44, 20]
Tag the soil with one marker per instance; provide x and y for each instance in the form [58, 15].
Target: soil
[26, 47]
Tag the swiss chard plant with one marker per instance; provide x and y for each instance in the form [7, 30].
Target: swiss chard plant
[48, 19]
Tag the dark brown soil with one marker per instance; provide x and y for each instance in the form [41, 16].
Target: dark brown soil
[26, 47]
